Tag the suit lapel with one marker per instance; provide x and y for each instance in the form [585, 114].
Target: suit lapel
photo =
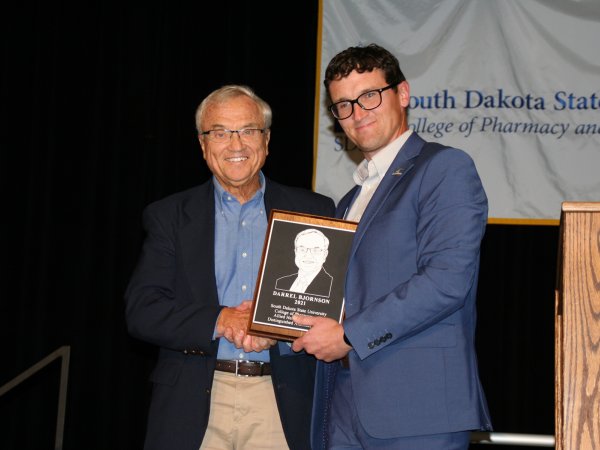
[197, 242]
[274, 197]
[271, 197]
[396, 174]
[344, 205]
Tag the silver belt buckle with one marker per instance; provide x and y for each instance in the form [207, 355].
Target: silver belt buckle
[237, 368]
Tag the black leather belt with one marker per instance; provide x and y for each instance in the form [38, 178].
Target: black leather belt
[244, 368]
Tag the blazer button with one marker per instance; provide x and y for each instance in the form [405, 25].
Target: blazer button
[388, 335]
[377, 342]
[371, 345]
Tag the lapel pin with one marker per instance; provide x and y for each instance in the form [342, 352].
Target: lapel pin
[397, 172]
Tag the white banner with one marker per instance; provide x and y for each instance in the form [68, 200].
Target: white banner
[514, 83]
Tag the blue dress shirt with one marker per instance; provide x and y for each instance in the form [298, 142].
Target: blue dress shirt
[239, 237]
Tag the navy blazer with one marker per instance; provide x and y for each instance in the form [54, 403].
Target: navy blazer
[172, 302]
[410, 292]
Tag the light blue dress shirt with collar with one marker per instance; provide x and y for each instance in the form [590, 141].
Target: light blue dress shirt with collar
[239, 237]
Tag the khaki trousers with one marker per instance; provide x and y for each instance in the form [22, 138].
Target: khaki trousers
[243, 415]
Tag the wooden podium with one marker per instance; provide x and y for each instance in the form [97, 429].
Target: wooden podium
[577, 329]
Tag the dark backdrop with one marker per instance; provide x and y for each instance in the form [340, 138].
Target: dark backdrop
[96, 120]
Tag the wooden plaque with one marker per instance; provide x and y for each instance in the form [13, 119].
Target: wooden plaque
[302, 270]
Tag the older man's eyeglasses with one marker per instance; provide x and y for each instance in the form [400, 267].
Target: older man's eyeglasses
[313, 251]
[223, 135]
[367, 101]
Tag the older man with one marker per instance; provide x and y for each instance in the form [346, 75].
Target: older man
[214, 386]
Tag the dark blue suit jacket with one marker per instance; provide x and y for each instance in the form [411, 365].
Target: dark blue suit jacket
[410, 299]
[172, 302]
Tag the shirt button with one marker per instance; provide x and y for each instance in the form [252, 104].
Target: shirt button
[241, 356]
[244, 254]
[243, 223]
[244, 288]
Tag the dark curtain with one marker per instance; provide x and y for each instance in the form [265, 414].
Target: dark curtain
[96, 120]
[515, 328]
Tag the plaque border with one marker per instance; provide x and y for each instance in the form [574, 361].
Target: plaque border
[281, 332]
